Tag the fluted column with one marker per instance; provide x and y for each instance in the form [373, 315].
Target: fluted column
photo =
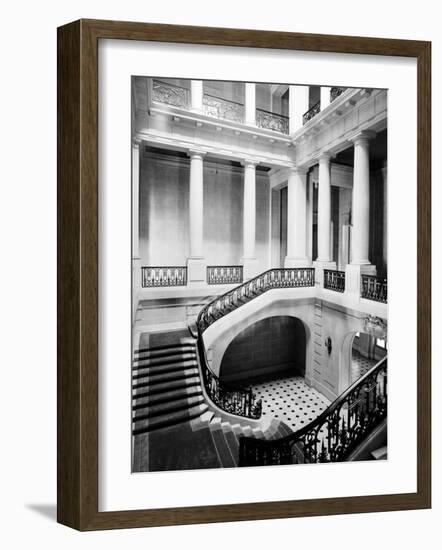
[298, 105]
[361, 200]
[249, 219]
[196, 95]
[296, 218]
[196, 263]
[250, 104]
[324, 209]
[325, 97]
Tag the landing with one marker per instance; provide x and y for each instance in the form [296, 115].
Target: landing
[291, 400]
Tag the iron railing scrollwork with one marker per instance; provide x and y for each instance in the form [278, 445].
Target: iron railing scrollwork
[239, 400]
[163, 276]
[219, 107]
[272, 121]
[312, 112]
[224, 274]
[374, 288]
[334, 434]
[335, 92]
[334, 280]
[165, 92]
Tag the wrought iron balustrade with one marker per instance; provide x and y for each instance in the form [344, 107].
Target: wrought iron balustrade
[312, 112]
[219, 107]
[242, 401]
[335, 92]
[272, 121]
[334, 434]
[374, 288]
[165, 92]
[163, 276]
[224, 274]
[334, 280]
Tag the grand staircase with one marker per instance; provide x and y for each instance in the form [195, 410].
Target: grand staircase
[174, 427]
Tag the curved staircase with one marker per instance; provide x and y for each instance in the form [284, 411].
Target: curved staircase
[174, 427]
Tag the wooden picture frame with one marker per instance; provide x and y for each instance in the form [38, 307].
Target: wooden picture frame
[78, 274]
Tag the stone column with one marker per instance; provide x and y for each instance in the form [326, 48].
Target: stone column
[361, 200]
[297, 219]
[298, 106]
[136, 261]
[325, 97]
[360, 233]
[324, 260]
[250, 104]
[196, 268]
[196, 95]
[250, 262]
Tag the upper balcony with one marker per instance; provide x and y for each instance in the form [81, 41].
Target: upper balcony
[225, 102]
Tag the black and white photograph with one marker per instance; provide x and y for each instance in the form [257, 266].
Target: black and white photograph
[259, 261]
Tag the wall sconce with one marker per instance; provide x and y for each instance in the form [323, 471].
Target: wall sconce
[328, 345]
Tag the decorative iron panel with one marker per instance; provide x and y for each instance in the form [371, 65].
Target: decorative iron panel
[219, 107]
[334, 280]
[311, 112]
[272, 121]
[335, 92]
[374, 288]
[224, 274]
[163, 276]
[171, 94]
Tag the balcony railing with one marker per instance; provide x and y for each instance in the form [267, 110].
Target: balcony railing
[334, 434]
[165, 92]
[335, 92]
[311, 112]
[272, 121]
[224, 274]
[334, 280]
[374, 288]
[219, 107]
[163, 276]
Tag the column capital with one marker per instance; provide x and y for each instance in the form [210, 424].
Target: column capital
[196, 153]
[362, 137]
[136, 142]
[301, 170]
[325, 157]
[250, 162]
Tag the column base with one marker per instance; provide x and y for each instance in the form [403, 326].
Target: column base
[250, 268]
[319, 266]
[296, 262]
[196, 271]
[353, 274]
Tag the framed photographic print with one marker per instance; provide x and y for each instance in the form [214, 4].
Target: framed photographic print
[243, 274]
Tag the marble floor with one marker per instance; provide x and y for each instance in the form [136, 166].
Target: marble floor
[291, 400]
[360, 365]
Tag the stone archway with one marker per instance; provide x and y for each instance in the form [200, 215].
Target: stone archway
[271, 347]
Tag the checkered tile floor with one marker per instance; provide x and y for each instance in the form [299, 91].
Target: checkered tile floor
[290, 400]
[360, 365]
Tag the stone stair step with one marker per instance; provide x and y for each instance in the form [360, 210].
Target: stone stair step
[150, 411]
[167, 349]
[166, 386]
[140, 372]
[166, 420]
[380, 454]
[167, 396]
[221, 445]
[202, 422]
[164, 378]
[165, 360]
